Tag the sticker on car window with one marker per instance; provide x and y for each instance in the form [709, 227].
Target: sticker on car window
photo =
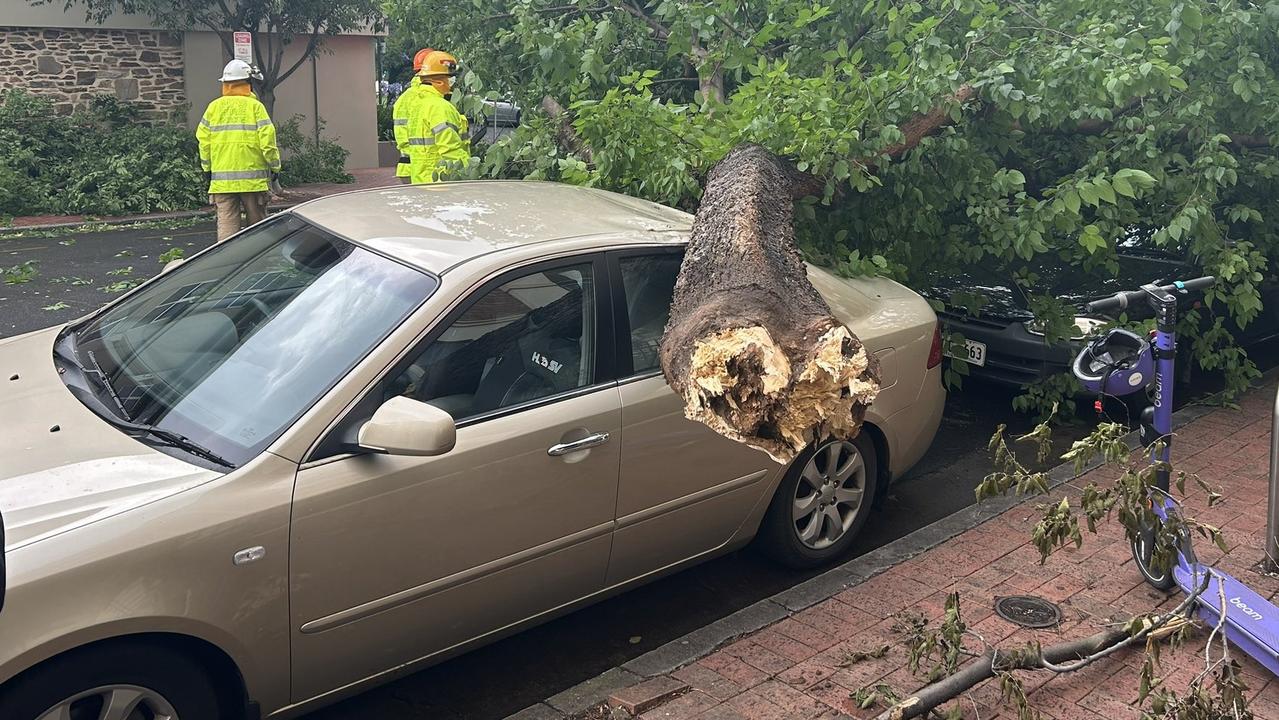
[549, 364]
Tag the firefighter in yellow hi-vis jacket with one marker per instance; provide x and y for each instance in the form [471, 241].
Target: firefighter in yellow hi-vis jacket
[438, 143]
[237, 151]
[403, 109]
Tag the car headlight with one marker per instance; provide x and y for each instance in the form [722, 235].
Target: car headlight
[1084, 327]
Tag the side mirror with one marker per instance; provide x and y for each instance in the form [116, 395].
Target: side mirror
[403, 426]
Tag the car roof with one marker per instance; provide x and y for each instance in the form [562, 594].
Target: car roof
[439, 226]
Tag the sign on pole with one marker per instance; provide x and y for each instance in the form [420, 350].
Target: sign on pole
[243, 46]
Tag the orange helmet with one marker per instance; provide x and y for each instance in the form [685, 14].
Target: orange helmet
[438, 62]
[420, 58]
[439, 68]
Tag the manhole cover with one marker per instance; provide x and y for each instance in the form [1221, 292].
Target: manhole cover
[1026, 611]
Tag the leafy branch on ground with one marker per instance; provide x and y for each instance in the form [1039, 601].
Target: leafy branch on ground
[950, 668]
[22, 273]
[173, 253]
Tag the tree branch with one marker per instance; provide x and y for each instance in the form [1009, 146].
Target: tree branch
[565, 135]
[659, 29]
[1061, 658]
[922, 126]
[566, 9]
[311, 45]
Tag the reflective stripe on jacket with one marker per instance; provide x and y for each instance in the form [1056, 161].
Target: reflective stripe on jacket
[437, 138]
[237, 145]
[400, 115]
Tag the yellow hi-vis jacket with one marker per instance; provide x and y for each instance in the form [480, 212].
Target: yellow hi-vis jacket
[437, 137]
[237, 145]
[400, 114]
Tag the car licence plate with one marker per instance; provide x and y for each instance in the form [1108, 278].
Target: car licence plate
[976, 353]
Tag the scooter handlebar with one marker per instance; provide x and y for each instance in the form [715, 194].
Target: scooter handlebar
[1121, 301]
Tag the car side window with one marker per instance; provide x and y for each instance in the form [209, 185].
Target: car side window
[649, 283]
[530, 338]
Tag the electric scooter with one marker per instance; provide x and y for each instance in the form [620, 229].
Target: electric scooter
[1121, 363]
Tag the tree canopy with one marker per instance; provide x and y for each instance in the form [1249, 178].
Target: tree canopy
[276, 24]
[1072, 123]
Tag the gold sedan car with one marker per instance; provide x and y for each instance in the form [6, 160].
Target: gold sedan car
[378, 430]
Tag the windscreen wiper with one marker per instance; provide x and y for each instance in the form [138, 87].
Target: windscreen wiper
[167, 437]
[183, 442]
[95, 368]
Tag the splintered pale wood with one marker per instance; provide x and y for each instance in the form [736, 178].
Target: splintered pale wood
[751, 346]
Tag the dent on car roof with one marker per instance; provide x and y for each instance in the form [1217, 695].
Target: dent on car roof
[438, 226]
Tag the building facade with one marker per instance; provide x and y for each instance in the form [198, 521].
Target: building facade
[172, 76]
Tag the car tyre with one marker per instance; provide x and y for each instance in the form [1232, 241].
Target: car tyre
[818, 478]
[149, 680]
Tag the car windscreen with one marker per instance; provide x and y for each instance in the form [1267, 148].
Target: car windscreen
[230, 348]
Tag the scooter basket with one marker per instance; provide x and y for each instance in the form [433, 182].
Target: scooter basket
[1117, 363]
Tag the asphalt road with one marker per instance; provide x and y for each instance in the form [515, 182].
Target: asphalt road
[73, 275]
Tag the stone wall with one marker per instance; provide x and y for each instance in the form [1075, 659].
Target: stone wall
[73, 65]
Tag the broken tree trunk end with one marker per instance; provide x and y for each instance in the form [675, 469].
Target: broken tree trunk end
[751, 346]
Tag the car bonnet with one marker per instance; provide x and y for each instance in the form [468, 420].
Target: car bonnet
[61, 466]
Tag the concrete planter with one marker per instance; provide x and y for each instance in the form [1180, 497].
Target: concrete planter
[387, 155]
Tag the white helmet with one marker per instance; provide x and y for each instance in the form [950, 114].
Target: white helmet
[239, 70]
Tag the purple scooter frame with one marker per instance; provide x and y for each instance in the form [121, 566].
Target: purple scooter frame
[1251, 622]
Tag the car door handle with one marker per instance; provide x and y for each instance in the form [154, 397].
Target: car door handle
[585, 443]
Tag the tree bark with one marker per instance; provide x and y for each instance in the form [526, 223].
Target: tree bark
[565, 135]
[751, 346]
[921, 126]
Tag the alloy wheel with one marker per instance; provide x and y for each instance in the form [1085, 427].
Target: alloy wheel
[829, 494]
[112, 702]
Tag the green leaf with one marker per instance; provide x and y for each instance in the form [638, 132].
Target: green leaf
[1138, 178]
[1191, 16]
[1091, 239]
[1072, 200]
[1105, 191]
[1088, 193]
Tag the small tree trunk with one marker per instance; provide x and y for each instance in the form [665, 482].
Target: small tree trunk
[751, 346]
[712, 86]
[266, 93]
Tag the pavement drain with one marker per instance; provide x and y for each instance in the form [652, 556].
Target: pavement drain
[1028, 611]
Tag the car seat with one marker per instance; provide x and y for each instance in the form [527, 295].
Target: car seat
[543, 359]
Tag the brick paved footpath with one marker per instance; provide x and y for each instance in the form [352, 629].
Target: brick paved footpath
[794, 668]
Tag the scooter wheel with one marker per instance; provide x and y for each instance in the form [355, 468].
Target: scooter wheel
[1142, 549]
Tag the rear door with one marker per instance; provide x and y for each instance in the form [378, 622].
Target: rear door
[683, 490]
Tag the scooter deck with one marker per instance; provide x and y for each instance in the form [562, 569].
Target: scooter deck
[1252, 622]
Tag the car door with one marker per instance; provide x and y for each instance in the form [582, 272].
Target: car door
[684, 490]
[397, 558]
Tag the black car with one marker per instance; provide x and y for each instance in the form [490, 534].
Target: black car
[1002, 342]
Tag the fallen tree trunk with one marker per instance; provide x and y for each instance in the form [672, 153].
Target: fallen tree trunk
[751, 346]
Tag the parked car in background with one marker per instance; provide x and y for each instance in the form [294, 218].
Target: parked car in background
[1003, 343]
[380, 429]
[499, 119]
